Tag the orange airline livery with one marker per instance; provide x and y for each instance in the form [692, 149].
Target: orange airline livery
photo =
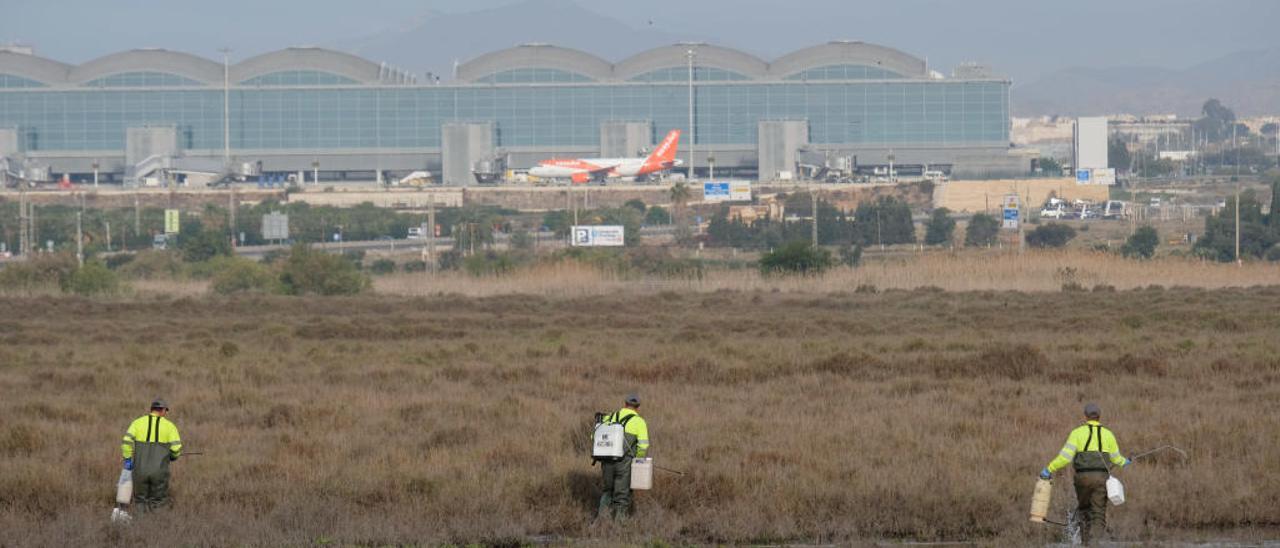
[582, 170]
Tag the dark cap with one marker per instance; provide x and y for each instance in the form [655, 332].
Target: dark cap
[633, 399]
[1092, 410]
[159, 404]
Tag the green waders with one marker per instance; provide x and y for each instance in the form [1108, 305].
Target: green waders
[150, 475]
[616, 487]
[1091, 508]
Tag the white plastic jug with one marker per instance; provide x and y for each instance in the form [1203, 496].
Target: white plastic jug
[642, 474]
[124, 487]
[609, 441]
[1115, 491]
[1040, 500]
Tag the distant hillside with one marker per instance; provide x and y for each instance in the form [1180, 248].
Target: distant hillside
[1247, 81]
[435, 41]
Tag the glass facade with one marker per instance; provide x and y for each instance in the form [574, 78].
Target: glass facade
[144, 79]
[12, 81]
[300, 78]
[323, 116]
[681, 74]
[533, 76]
[844, 72]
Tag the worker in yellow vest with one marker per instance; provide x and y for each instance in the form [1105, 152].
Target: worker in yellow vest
[150, 444]
[1091, 450]
[616, 474]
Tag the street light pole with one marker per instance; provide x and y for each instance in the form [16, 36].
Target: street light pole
[690, 55]
[226, 106]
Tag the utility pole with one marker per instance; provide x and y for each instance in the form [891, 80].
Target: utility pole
[431, 234]
[690, 54]
[79, 239]
[24, 236]
[107, 225]
[226, 107]
[1239, 261]
[231, 208]
[95, 174]
[813, 195]
[137, 214]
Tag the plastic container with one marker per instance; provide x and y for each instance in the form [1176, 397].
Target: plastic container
[1040, 500]
[124, 487]
[642, 474]
[1115, 491]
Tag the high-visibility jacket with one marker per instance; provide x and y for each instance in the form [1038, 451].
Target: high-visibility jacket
[150, 433]
[635, 429]
[1090, 437]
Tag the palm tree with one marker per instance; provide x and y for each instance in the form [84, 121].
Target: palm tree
[680, 195]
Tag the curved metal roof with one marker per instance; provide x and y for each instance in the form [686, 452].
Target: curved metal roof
[45, 71]
[148, 60]
[308, 58]
[676, 55]
[535, 56]
[849, 53]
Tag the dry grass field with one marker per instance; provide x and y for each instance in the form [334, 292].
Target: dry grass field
[967, 270]
[812, 417]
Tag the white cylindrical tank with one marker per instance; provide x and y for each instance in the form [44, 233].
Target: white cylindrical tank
[1040, 500]
[642, 474]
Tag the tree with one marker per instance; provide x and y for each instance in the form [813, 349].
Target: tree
[1273, 219]
[982, 231]
[1050, 235]
[656, 215]
[1118, 155]
[203, 245]
[680, 195]
[941, 227]
[1269, 129]
[636, 204]
[886, 221]
[1142, 244]
[1050, 166]
[1219, 239]
[799, 257]
[1215, 122]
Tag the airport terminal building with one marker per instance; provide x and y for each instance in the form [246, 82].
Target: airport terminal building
[312, 110]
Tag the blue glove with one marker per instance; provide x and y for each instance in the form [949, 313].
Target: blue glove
[1045, 475]
[128, 464]
[1127, 462]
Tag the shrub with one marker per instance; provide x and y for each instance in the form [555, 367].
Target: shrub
[383, 266]
[114, 262]
[982, 231]
[851, 255]
[1050, 235]
[940, 228]
[491, 263]
[152, 264]
[44, 271]
[308, 271]
[414, 266]
[243, 276]
[1142, 244]
[521, 240]
[94, 278]
[797, 257]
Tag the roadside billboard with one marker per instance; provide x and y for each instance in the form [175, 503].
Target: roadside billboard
[275, 226]
[172, 222]
[597, 236]
[1010, 211]
[1096, 176]
[726, 191]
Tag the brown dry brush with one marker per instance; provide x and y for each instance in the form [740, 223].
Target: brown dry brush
[836, 418]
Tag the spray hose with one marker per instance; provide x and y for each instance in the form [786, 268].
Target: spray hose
[1184, 454]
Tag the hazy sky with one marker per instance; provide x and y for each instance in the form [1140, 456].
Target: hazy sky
[1022, 38]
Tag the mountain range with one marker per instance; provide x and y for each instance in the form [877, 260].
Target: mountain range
[1246, 81]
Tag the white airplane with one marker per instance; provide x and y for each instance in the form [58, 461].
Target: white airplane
[582, 170]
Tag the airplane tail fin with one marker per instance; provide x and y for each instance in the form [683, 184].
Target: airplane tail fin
[665, 153]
